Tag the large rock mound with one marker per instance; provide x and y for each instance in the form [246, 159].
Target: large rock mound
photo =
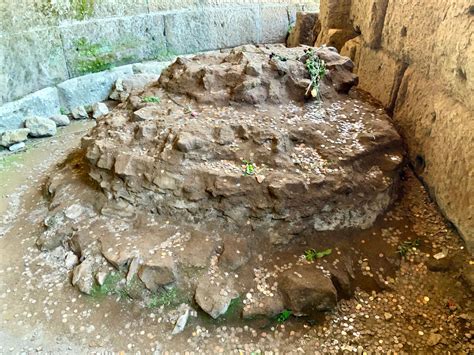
[323, 166]
[220, 161]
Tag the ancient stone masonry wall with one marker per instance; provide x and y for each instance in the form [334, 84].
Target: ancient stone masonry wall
[416, 57]
[44, 42]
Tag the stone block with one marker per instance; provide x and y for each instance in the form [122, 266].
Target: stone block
[368, 18]
[305, 30]
[439, 132]
[335, 14]
[109, 8]
[91, 88]
[274, 24]
[211, 28]
[351, 49]
[151, 67]
[40, 126]
[101, 44]
[293, 9]
[13, 137]
[30, 61]
[410, 29]
[380, 75]
[163, 5]
[335, 37]
[43, 103]
[453, 52]
[20, 15]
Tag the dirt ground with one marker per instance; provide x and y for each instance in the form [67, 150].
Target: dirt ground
[422, 305]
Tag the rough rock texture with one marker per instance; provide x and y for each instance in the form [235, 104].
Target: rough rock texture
[372, 70]
[60, 120]
[40, 127]
[233, 161]
[157, 273]
[335, 37]
[99, 109]
[79, 113]
[441, 121]
[91, 88]
[305, 30]
[333, 167]
[214, 296]
[235, 254]
[266, 306]
[307, 290]
[246, 75]
[414, 57]
[14, 136]
[83, 277]
[352, 50]
[43, 103]
[136, 83]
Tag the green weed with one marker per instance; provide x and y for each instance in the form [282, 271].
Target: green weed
[109, 287]
[407, 247]
[164, 55]
[312, 254]
[249, 168]
[317, 71]
[151, 99]
[83, 8]
[114, 286]
[166, 298]
[93, 57]
[284, 316]
[234, 307]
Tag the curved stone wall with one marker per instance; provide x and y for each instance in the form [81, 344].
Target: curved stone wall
[44, 42]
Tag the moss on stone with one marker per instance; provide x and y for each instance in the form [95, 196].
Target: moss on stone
[93, 57]
[164, 55]
[76, 9]
[83, 8]
[99, 56]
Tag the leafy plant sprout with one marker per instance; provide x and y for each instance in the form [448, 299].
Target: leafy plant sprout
[284, 316]
[407, 247]
[317, 71]
[151, 99]
[93, 57]
[166, 298]
[312, 254]
[249, 168]
[110, 286]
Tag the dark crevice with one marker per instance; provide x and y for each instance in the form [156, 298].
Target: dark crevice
[396, 88]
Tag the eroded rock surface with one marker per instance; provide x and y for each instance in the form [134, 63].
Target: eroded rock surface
[188, 182]
[249, 75]
[326, 167]
[40, 126]
[306, 290]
